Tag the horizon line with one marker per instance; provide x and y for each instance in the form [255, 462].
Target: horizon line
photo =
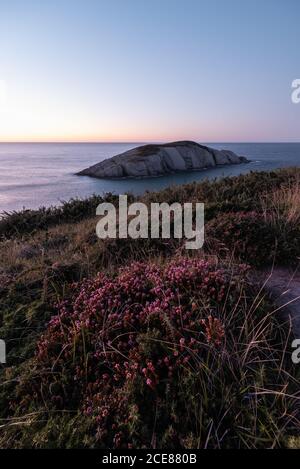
[142, 141]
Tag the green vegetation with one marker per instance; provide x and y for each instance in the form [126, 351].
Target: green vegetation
[149, 345]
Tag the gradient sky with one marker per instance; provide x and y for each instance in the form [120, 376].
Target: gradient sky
[149, 70]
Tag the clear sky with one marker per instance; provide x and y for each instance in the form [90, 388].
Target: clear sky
[149, 70]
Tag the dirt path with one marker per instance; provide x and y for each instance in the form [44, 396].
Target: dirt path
[283, 285]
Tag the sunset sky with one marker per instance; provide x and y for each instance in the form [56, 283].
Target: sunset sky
[137, 70]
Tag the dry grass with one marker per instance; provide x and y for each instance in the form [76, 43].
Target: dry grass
[281, 207]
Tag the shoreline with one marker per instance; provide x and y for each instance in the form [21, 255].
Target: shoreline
[104, 194]
[90, 202]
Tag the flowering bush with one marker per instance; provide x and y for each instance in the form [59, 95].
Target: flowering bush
[128, 351]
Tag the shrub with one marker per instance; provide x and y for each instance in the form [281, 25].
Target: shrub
[28, 221]
[253, 238]
[164, 356]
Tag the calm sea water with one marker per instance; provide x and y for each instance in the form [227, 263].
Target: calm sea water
[42, 174]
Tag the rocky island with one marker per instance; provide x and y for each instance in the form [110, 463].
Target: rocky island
[157, 160]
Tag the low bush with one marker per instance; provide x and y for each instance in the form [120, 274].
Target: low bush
[253, 238]
[29, 221]
[181, 355]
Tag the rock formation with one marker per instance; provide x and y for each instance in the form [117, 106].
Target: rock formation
[158, 160]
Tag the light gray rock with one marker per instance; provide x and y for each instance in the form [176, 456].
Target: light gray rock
[158, 160]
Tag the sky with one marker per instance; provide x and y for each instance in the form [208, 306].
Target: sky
[149, 70]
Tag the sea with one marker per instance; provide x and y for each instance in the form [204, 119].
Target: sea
[34, 175]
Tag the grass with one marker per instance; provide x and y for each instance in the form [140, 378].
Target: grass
[281, 206]
[235, 386]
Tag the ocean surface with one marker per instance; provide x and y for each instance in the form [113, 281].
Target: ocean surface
[43, 174]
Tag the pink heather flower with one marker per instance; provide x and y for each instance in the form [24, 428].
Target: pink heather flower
[150, 383]
[214, 330]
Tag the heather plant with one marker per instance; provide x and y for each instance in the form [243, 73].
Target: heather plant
[281, 212]
[253, 238]
[164, 355]
[239, 193]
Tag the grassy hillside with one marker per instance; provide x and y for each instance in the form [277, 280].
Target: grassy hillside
[139, 343]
